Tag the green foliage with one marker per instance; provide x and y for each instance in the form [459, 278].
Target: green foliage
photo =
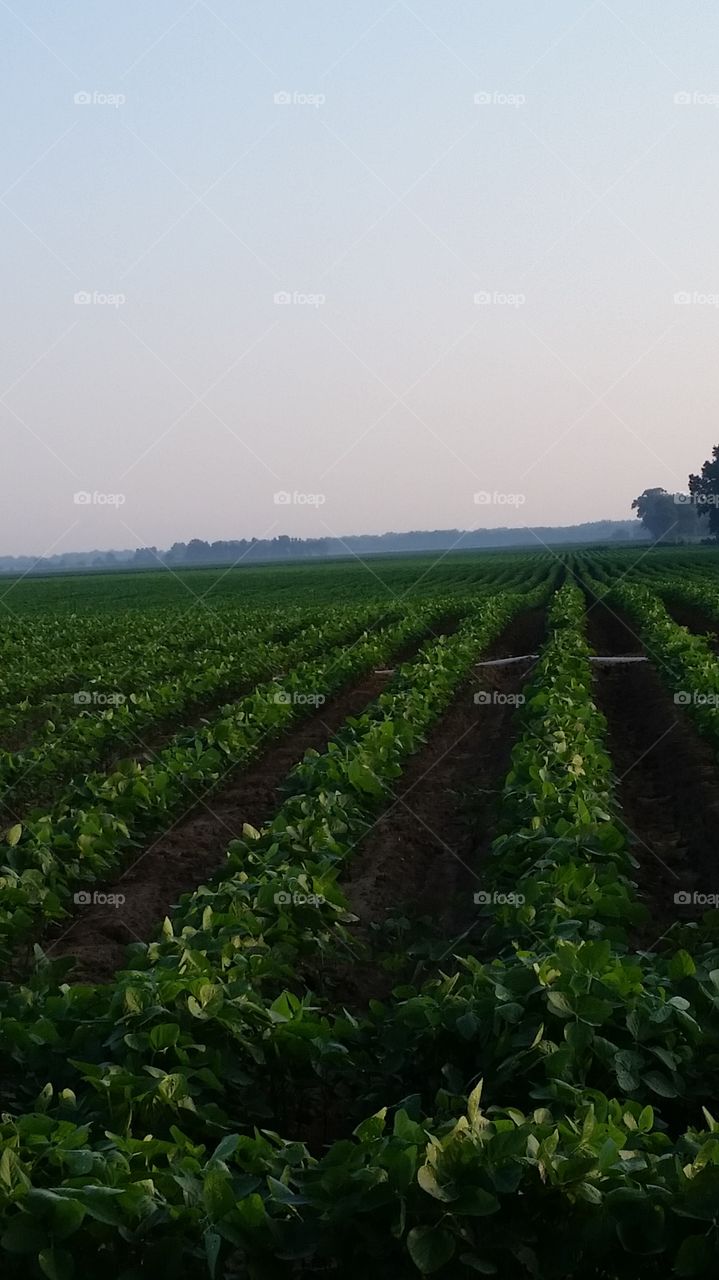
[538, 1109]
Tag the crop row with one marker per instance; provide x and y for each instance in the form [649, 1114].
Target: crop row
[54, 648]
[685, 661]
[76, 739]
[557, 1177]
[215, 989]
[146, 652]
[103, 816]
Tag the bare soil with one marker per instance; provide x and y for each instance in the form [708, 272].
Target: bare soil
[422, 857]
[192, 850]
[668, 779]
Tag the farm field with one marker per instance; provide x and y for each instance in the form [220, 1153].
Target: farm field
[362, 919]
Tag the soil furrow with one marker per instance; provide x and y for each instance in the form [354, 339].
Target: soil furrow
[420, 859]
[668, 780]
[192, 850]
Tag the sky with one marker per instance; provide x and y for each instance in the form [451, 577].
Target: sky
[317, 268]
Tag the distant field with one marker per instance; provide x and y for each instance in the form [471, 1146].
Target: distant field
[336, 944]
[376, 576]
[373, 577]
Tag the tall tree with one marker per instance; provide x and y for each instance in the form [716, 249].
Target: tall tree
[669, 517]
[656, 510]
[705, 488]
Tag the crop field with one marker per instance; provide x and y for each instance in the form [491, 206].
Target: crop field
[362, 919]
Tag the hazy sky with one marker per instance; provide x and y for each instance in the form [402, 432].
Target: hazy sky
[481, 211]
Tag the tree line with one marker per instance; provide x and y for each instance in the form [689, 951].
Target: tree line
[684, 517]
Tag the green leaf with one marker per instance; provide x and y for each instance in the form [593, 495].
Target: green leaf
[372, 1127]
[164, 1035]
[226, 1148]
[693, 1256]
[482, 1265]
[476, 1202]
[62, 1214]
[473, 1101]
[642, 1231]
[363, 778]
[429, 1248]
[213, 1244]
[681, 965]
[101, 1203]
[13, 835]
[659, 1083]
[217, 1194]
[559, 1004]
[56, 1264]
[427, 1180]
[645, 1121]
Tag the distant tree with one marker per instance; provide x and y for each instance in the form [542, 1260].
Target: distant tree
[705, 489]
[657, 512]
[669, 517]
[147, 557]
[197, 550]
